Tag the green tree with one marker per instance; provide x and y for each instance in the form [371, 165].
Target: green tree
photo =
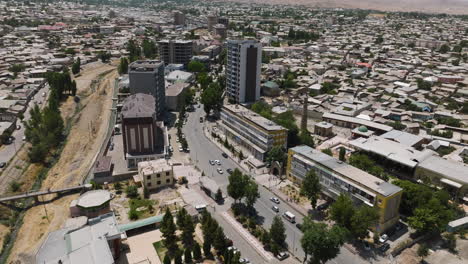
[167, 259]
[423, 251]
[212, 98]
[134, 50]
[342, 155]
[207, 250]
[197, 252]
[149, 49]
[123, 66]
[328, 152]
[263, 109]
[306, 139]
[104, 56]
[321, 242]
[342, 211]
[196, 66]
[131, 191]
[277, 153]
[310, 187]
[181, 217]
[188, 255]
[219, 195]
[444, 48]
[451, 242]
[187, 232]
[287, 120]
[363, 218]
[277, 235]
[220, 243]
[178, 258]
[76, 66]
[236, 186]
[168, 230]
[251, 192]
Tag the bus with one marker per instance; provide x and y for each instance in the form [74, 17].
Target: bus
[290, 217]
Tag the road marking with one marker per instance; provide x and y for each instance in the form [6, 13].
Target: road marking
[250, 238]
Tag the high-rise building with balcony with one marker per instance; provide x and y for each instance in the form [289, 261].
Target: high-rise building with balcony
[147, 77]
[211, 20]
[244, 59]
[179, 18]
[175, 51]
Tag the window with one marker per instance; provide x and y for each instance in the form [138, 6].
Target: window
[158, 175]
[148, 177]
[149, 184]
[167, 173]
[168, 181]
[159, 182]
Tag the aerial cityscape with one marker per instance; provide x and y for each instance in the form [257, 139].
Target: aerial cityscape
[233, 132]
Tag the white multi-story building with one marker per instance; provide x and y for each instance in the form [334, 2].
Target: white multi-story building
[244, 59]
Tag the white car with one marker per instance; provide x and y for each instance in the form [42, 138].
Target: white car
[212, 162]
[244, 261]
[383, 238]
[233, 249]
[275, 200]
[181, 149]
[218, 162]
[220, 171]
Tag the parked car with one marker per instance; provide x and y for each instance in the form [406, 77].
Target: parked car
[181, 149]
[224, 155]
[383, 238]
[233, 249]
[2, 164]
[299, 226]
[229, 171]
[275, 200]
[220, 171]
[323, 206]
[187, 149]
[212, 162]
[275, 208]
[384, 247]
[218, 162]
[282, 255]
[244, 261]
[111, 147]
[18, 127]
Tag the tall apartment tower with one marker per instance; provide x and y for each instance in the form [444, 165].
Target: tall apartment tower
[224, 21]
[147, 77]
[244, 59]
[175, 51]
[211, 20]
[179, 18]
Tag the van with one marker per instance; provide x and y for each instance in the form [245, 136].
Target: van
[290, 217]
[200, 207]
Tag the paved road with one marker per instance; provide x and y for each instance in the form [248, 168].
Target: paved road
[8, 151]
[202, 150]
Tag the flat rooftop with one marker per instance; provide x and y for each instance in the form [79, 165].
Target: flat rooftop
[145, 64]
[93, 198]
[449, 169]
[250, 115]
[139, 105]
[153, 166]
[363, 122]
[344, 169]
[391, 150]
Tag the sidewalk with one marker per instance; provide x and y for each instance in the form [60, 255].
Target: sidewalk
[250, 238]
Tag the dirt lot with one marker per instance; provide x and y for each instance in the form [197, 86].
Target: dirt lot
[85, 139]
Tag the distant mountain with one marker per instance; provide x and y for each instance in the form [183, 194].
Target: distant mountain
[427, 6]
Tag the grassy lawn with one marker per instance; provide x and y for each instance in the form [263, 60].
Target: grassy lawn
[160, 249]
[145, 204]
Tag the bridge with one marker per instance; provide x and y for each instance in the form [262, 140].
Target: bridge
[36, 194]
